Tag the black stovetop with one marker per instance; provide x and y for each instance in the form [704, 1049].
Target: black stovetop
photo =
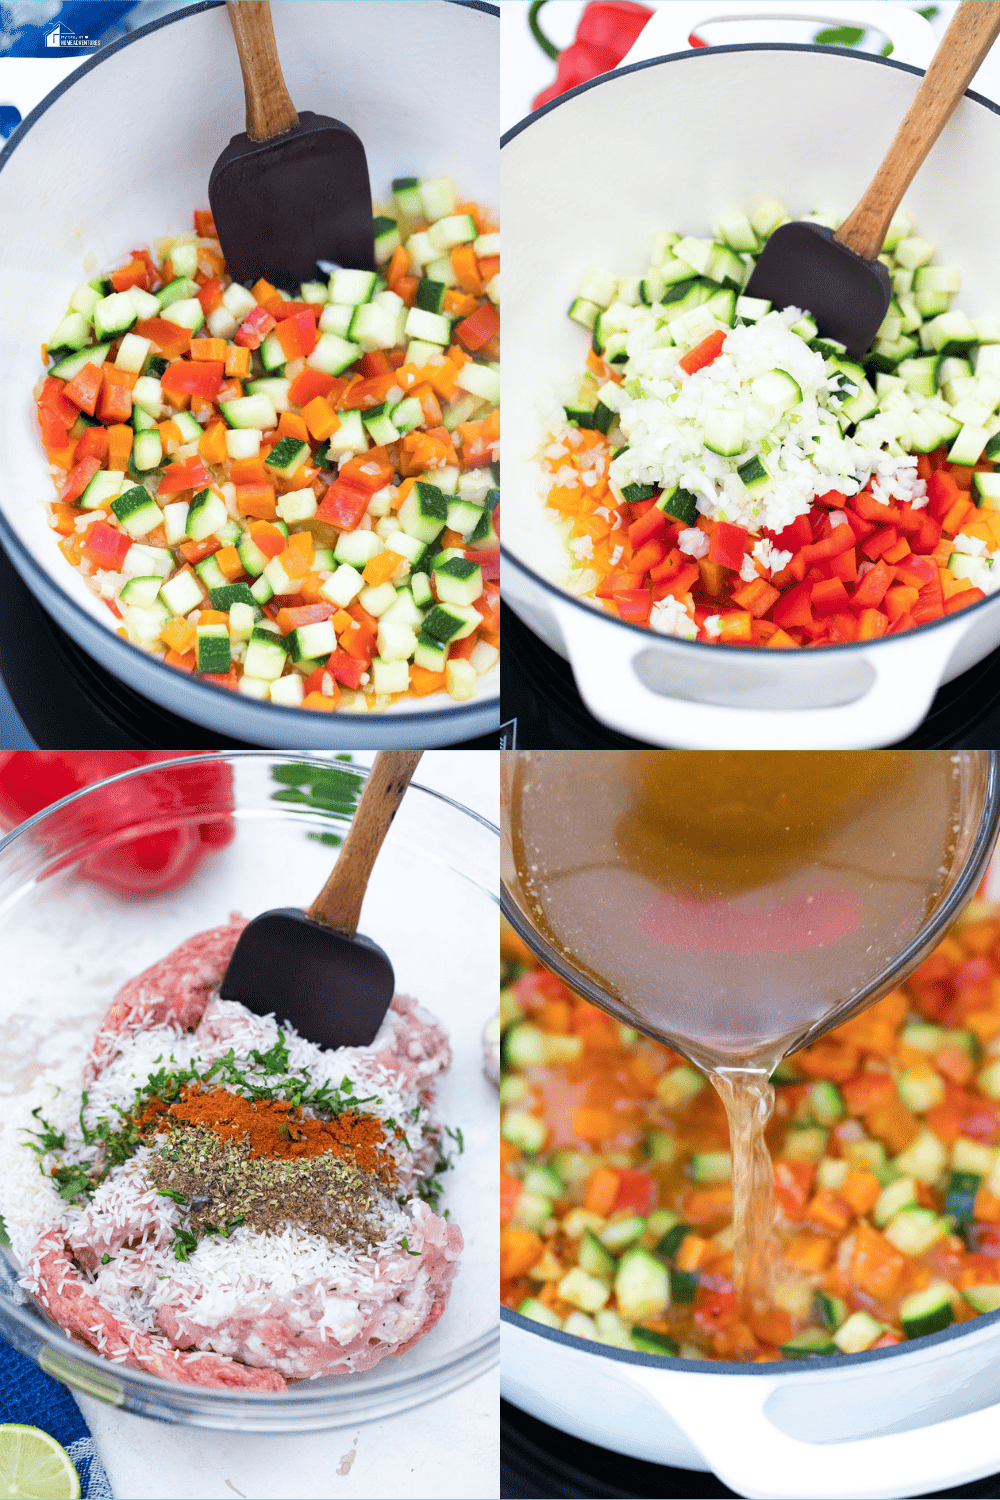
[540, 1463]
[68, 701]
[540, 696]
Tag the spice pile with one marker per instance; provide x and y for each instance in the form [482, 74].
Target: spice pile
[226, 1187]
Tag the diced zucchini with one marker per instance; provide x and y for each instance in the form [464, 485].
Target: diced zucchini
[927, 1312]
[213, 647]
[642, 1285]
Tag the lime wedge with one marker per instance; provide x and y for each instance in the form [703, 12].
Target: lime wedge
[34, 1467]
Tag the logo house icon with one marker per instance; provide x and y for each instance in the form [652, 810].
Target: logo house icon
[61, 36]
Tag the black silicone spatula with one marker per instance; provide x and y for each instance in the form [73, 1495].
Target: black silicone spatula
[837, 277]
[312, 968]
[293, 189]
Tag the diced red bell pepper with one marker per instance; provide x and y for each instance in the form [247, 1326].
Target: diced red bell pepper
[637, 1191]
[927, 538]
[343, 505]
[704, 353]
[210, 295]
[859, 525]
[488, 559]
[797, 533]
[634, 604]
[305, 614]
[871, 509]
[55, 432]
[106, 546]
[648, 556]
[360, 639]
[84, 389]
[963, 600]
[309, 384]
[479, 327]
[297, 335]
[78, 479]
[872, 623]
[186, 474]
[828, 596]
[136, 273]
[880, 541]
[93, 444]
[942, 492]
[871, 590]
[345, 669]
[841, 539]
[794, 608]
[612, 583]
[170, 339]
[186, 378]
[918, 571]
[833, 499]
[255, 328]
[53, 399]
[652, 524]
[728, 545]
[114, 404]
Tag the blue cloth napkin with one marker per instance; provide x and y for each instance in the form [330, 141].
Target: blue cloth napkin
[29, 1396]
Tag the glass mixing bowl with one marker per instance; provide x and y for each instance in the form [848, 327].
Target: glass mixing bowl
[976, 834]
[67, 945]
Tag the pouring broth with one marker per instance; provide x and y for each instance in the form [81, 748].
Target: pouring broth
[733, 903]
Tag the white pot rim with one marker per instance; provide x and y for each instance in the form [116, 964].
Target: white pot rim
[822, 1366]
[694, 54]
[119, 656]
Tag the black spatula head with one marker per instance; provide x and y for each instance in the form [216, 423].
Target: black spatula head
[334, 990]
[802, 265]
[282, 204]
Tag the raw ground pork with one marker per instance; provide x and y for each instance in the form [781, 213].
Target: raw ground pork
[255, 1309]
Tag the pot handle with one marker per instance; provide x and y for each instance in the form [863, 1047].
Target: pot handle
[908, 671]
[912, 36]
[731, 1429]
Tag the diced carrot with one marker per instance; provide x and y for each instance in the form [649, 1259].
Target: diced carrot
[398, 266]
[119, 445]
[458, 304]
[594, 1124]
[208, 349]
[179, 635]
[300, 544]
[381, 568]
[601, 1191]
[213, 617]
[290, 424]
[876, 1266]
[705, 1205]
[256, 500]
[183, 660]
[519, 1250]
[423, 682]
[489, 265]
[474, 331]
[237, 361]
[228, 560]
[212, 444]
[809, 1252]
[405, 287]
[861, 1190]
[466, 269]
[320, 418]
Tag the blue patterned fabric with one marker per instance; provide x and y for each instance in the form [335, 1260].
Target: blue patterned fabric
[46, 28]
[30, 1397]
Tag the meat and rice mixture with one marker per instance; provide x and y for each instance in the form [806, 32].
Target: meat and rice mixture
[224, 1203]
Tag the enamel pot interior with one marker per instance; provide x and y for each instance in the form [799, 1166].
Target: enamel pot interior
[119, 155]
[587, 182]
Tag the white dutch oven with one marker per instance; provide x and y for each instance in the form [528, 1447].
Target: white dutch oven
[119, 155]
[669, 142]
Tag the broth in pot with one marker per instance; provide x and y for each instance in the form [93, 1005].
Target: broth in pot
[732, 903]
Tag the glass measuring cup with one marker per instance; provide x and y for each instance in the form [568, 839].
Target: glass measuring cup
[736, 1023]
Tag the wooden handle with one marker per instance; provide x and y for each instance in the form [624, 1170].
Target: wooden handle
[970, 36]
[270, 110]
[339, 902]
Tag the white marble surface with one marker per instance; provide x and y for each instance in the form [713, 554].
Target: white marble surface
[443, 1449]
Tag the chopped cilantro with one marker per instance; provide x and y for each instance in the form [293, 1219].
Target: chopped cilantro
[405, 1244]
[105, 1260]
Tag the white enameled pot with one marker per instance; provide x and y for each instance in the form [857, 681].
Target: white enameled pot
[119, 154]
[670, 140]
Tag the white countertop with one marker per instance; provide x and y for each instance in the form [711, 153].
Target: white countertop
[443, 1449]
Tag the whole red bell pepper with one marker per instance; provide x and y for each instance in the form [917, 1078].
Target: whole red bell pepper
[173, 799]
[606, 31]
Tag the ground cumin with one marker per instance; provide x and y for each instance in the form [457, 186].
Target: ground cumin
[275, 1128]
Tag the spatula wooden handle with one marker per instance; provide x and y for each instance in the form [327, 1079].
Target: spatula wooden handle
[339, 902]
[973, 30]
[270, 110]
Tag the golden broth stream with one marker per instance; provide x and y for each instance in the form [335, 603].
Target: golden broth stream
[727, 902]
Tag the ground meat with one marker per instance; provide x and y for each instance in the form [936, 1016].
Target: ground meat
[67, 1298]
[176, 989]
[379, 1307]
